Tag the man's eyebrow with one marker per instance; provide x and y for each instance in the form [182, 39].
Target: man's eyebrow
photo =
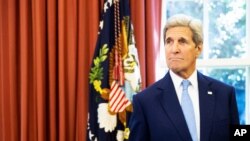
[168, 38]
[182, 38]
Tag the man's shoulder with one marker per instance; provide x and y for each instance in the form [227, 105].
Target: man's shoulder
[215, 82]
[152, 89]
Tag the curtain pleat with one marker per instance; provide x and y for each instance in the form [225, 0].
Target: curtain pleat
[52, 59]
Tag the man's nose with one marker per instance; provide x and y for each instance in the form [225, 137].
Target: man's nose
[175, 48]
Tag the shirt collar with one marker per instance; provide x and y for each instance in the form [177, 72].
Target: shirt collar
[177, 79]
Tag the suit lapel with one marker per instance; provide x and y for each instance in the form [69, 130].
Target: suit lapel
[207, 102]
[171, 106]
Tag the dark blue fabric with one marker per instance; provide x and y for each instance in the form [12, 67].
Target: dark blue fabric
[158, 115]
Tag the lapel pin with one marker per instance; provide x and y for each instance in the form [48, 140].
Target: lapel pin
[209, 92]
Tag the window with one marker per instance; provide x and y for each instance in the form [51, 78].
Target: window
[226, 53]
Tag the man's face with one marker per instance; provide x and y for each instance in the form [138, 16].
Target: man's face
[181, 51]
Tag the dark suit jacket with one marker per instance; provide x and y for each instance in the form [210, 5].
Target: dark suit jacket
[158, 116]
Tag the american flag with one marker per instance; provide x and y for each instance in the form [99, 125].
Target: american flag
[117, 98]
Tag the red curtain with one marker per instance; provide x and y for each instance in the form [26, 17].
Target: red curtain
[46, 48]
[146, 17]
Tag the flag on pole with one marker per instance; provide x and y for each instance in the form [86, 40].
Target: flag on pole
[114, 75]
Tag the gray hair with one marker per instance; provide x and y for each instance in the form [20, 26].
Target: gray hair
[183, 20]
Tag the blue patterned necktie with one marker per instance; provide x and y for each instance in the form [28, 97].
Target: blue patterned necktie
[188, 110]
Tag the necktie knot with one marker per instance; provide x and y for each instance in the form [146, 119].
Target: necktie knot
[185, 84]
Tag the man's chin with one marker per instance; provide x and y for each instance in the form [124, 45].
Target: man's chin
[175, 69]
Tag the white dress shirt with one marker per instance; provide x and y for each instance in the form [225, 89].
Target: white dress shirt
[193, 93]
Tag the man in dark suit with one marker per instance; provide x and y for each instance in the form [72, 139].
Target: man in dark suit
[160, 113]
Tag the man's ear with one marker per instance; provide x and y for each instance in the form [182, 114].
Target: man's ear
[199, 49]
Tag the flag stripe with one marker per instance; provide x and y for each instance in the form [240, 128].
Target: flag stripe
[115, 87]
[123, 104]
[118, 102]
[113, 96]
[117, 98]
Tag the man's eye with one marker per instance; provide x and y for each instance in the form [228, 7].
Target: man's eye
[168, 41]
[182, 41]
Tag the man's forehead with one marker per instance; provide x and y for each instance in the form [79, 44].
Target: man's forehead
[179, 32]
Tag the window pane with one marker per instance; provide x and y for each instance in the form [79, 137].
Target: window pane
[227, 28]
[188, 7]
[236, 78]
